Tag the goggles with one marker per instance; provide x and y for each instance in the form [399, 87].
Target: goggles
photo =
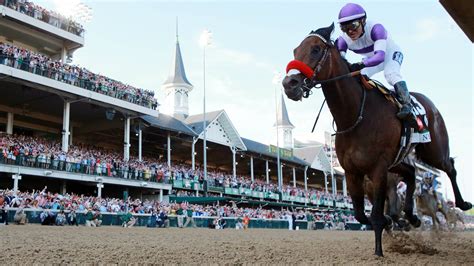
[350, 26]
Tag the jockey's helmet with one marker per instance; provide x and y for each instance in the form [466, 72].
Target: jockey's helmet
[351, 12]
[428, 175]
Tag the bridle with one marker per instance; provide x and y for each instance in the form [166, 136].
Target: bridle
[310, 81]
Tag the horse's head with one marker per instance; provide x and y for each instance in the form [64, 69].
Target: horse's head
[312, 61]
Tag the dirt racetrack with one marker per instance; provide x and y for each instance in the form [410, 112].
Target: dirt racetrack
[42, 244]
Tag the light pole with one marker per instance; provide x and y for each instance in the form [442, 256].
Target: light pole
[277, 80]
[205, 41]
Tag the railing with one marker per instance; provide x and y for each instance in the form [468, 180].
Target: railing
[313, 200]
[74, 79]
[44, 15]
[33, 216]
[44, 162]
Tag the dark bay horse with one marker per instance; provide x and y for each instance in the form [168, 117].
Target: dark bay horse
[369, 136]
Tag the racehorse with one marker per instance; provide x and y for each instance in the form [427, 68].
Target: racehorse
[455, 215]
[369, 132]
[426, 204]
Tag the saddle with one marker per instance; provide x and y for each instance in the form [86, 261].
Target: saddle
[414, 129]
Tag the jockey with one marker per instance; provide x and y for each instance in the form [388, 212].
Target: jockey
[430, 185]
[380, 52]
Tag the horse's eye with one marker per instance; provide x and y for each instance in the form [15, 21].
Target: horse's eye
[315, 52]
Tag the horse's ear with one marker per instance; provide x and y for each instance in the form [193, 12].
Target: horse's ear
[326, 32]
[331, 27]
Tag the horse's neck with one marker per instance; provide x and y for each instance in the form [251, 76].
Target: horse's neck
[343, 96]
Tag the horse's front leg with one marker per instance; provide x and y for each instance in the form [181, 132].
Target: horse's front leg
[355, 185]
[377, 217]
[409, 177]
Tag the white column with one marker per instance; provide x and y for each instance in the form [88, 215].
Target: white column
[64, 55]
[99, 190]
[126, 139]
[267, 173]
[234, 171]
[335, 185]
[344, 186]
[326, 182]
[140, 144]
[306, 178]
[63, 187]
[294, 177]
[66, 111]
[161, 195]
[280, 182]
[168, 146]
[251, 169]
[10, 123]
[15, 178]
[193, 154]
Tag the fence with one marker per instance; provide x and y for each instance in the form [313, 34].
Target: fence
[114, 219]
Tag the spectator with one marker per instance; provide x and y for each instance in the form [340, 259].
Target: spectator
[189, 217]
[72, 218]
[128, 220]
[61, 218]
[90, 218]
[163, 219]
[20, 216]
[180, 216]
[245, 222]
[47, 217]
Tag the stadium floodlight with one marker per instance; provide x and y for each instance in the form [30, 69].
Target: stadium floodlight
[277, 77]
[74, 9]
[205, 40]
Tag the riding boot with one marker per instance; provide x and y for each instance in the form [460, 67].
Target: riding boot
[404, 98]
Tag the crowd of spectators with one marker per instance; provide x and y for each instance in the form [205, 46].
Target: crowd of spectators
[58, 209]
[40, 64]
[87, 159]
[48, 16]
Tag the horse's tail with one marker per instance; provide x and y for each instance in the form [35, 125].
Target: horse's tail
[451, 159]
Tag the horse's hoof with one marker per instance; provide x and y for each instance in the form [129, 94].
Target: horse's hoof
[403, 224]
[389, 224]
[413, 219]
[378, 253]
[465, 206]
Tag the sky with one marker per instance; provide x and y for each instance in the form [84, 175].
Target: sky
[133, 41]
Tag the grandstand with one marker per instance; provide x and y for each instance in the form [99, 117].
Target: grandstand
[63, 128]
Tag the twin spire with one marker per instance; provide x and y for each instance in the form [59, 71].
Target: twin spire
[177, 74]
[177, 87]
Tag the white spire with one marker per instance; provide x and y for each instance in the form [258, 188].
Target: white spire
[177, 86]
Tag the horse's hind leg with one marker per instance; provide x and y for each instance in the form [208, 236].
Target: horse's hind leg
[450, 170]
[436, 152]
[431, 154]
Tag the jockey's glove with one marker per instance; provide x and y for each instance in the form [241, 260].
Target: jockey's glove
[356, 66]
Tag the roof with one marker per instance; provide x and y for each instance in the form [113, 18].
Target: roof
[257, 147]
[216, 122]
[168, 123]
[196, 121]
[177, 74]
[282, 114]
[317, 157]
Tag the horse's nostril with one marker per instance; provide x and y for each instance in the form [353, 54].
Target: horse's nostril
[294, 83]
